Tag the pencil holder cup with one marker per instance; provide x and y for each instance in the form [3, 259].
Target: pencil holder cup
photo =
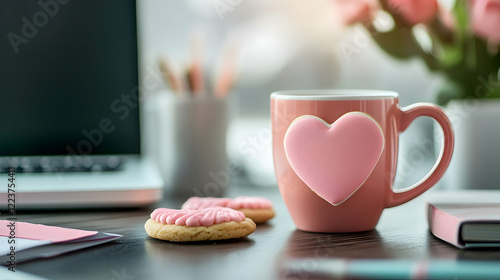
[190, 144]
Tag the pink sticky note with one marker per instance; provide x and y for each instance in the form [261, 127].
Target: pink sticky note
[42, 232]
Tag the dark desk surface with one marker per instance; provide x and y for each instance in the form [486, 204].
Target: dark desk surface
[401, 234]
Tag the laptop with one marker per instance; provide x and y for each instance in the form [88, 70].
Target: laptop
[70, 106]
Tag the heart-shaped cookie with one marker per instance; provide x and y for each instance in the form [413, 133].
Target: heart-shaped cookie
[334, 160]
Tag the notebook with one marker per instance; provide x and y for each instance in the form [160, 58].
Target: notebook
[70, 105]
[33, 241]
[468, 221]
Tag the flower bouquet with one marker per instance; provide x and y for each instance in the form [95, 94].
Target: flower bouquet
[459, 39]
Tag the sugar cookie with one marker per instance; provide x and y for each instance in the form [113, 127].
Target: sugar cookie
[212, 223]
[258, 209]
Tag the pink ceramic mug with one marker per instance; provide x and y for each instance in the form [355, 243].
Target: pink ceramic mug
[335, 155]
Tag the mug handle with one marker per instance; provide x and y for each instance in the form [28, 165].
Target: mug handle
[406, 116]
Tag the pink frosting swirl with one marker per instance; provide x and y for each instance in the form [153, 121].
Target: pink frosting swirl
[241, 202]
[194, 218]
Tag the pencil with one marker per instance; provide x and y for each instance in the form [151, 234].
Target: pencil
[188, 74]
[397, 269]
[196, 66]
[170, 76]
[226, 72]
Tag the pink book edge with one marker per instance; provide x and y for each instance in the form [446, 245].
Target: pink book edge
[444, 226]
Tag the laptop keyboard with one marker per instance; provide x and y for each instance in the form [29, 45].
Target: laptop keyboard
[62, 164]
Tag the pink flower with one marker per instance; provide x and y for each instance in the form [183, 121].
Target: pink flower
[485, 17]
[447, 18]
[414, 11]
[356, 11]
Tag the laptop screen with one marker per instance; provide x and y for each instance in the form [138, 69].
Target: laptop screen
[68, 77]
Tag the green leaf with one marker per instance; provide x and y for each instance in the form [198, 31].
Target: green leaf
[451, 56]
[461, 16]
[398, 42]
[448, 91]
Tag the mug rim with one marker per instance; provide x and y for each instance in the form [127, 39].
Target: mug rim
[334, 94]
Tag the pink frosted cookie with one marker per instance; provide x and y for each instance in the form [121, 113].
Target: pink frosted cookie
[258, 209]
[212, 223]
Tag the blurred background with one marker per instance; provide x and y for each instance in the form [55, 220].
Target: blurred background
[285, 45]
[291, 45]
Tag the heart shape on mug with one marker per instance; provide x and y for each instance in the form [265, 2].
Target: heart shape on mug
[334, 160]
